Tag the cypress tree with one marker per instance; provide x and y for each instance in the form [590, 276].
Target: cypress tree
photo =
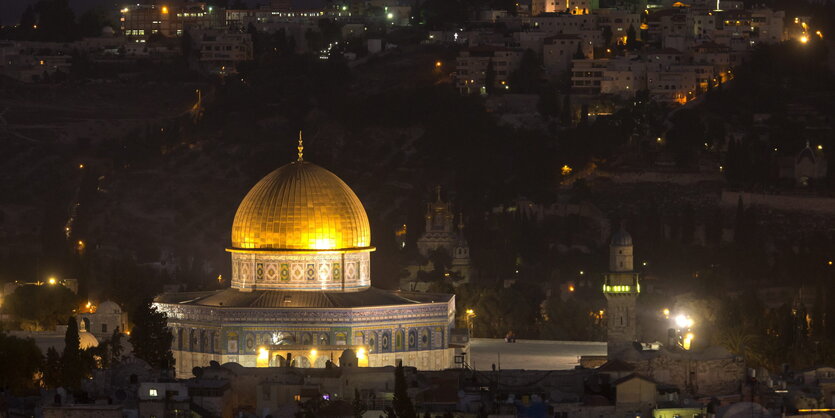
[150, 338]
[52, 369]
[116, 345]
[401, 403]
[72, 366]
[490, 78]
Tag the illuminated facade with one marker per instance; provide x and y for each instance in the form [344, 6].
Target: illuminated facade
[141, 21]
[621, 288]
[301, 288]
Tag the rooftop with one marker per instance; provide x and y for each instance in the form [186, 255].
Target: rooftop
[234, 298]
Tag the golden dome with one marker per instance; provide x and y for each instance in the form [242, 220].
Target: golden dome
[301, 206]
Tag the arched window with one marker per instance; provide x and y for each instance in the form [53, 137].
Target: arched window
[301, 362]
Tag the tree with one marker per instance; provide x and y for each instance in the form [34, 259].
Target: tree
[565, 110]
[56, 21]
[20, 360]
[527, 78]
[607, 36]
[401, 403]
[490, 78]
[187, 48]
[357, 405]
[72, 363]
[116, 345]
[548, 105]
[579, 54]
[52, 369]
[151, 339]
[631, 40]
[27, 22]
[45, 306]
[91, 22]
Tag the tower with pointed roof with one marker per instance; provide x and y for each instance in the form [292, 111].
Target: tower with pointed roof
[442, 233]
[621, 288]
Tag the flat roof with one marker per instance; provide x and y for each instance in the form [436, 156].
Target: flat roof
[530, 354]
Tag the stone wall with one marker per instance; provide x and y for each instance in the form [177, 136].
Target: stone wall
[788, 203]
[700, 376]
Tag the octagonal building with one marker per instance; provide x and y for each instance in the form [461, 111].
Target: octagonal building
[301, 288]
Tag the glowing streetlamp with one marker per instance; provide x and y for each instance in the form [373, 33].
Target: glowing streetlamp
[804, 39]
[683, 321]
[566, 170]
[470, 316]
[52, 280]
[687, 341]
[263, 359]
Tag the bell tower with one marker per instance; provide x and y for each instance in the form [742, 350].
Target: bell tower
[621, 288]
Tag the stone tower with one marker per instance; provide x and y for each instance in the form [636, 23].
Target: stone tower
[621, 289]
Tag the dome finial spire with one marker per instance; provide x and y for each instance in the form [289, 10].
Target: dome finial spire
[301, 147]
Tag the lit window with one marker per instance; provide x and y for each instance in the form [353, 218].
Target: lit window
[152, 392]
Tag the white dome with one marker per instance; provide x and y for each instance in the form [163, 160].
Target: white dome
[109, 307]
[87, 340]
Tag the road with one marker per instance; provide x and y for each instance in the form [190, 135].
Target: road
[531, 354]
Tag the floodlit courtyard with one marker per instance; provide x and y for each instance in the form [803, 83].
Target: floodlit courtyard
[530, 354]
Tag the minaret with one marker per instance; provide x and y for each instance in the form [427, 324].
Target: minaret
[621, 289]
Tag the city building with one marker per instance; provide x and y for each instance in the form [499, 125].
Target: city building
[139, 22]
[559, 50]
[104, 319]
[30, 62]
[539, 7]
[624, 76]
[564, 23]
[587, 75]
[221, 50]
[472, 66]
[301, 288]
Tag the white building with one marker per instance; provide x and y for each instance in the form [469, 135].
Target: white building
[559, 50]
[220, 49]
[472, 65]
[624, 76]
[564, 23]
[587, 75]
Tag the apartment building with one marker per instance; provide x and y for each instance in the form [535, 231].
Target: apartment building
[559, 50]
[472, 64]
[141, 21]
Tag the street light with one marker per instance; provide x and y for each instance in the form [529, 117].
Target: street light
[683, 321]
[470, 316]
[52, 280]
[688, 341]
